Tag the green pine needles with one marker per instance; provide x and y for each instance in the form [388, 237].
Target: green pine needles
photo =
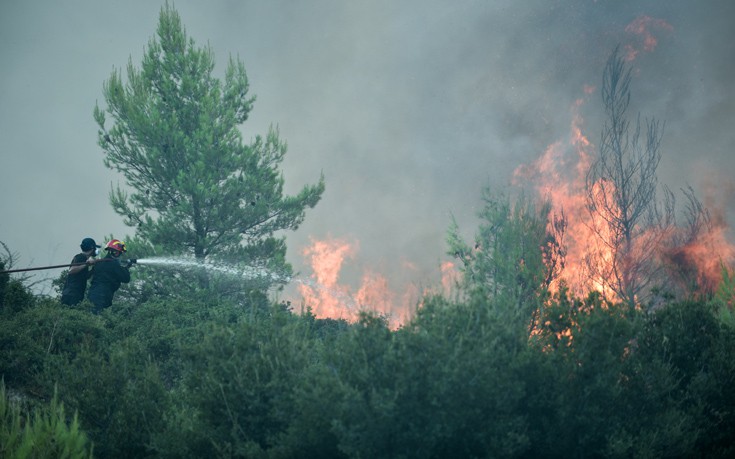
[172, 129]
[44, 433]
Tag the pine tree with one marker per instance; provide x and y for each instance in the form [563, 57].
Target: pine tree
[514, 255]
[194, 188]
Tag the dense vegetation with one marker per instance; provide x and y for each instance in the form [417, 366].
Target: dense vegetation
[465, 378]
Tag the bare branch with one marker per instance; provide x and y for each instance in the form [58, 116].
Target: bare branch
[621, 192]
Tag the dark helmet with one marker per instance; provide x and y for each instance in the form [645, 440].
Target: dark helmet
[88, 244]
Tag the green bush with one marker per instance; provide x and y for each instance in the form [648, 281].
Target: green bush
[475, 377]
[236, 396]
[44, 433]
[38, 339]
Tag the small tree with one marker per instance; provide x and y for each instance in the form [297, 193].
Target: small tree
[516, 253]
[621, 193]
[196, 188]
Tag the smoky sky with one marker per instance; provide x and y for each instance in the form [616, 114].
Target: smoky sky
[408, 108]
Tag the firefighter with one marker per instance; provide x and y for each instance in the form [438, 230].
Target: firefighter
[76, 281]
[107, 275]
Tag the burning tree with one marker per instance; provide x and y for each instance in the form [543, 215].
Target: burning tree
[621, 184]
[699, 254]
[614, 235]
[196, 188]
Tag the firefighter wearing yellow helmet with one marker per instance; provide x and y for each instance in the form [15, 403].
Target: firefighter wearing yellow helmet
[107, 275]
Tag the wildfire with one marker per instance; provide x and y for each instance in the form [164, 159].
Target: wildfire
[641, 27]
[328, 296]
[695, 259]
[323, 294]
[701, 256]
[559, 176]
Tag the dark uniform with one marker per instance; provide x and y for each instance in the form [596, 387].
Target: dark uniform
[76, 280]
[76, 283]
[107, 275]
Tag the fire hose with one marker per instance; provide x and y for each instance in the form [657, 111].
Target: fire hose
[127, 263]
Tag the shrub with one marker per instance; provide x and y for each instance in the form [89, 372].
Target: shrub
[45, 433]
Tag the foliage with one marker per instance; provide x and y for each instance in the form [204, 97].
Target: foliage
[44, 433]
[189, 365]
[119, 394]
[513, 254]
[699, 351]
[238, 387]
[725, 297]
[196, 189]
[205, 377]
[459, 382]
[16, 296]
[630, 383]
[14, 293]
[174, 378]
[30, 336]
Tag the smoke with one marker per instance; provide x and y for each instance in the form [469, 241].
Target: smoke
[408, 108]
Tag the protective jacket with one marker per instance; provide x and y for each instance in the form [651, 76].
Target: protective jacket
[107, 275]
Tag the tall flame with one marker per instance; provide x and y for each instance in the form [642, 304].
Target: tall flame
[559, 175]
[328, 296]
[324, 295]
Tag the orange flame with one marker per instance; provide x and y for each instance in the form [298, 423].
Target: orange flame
[374, 294]
[325, 296]
[559, 176]
[328, 297]
[642, 27]
[701, 259]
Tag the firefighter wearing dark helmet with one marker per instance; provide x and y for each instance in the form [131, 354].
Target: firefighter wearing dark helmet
[107, 275]
[76, 280]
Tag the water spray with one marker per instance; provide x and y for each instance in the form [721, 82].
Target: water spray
[248, 272]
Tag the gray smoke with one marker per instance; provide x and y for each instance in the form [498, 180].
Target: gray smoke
[409, 108]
